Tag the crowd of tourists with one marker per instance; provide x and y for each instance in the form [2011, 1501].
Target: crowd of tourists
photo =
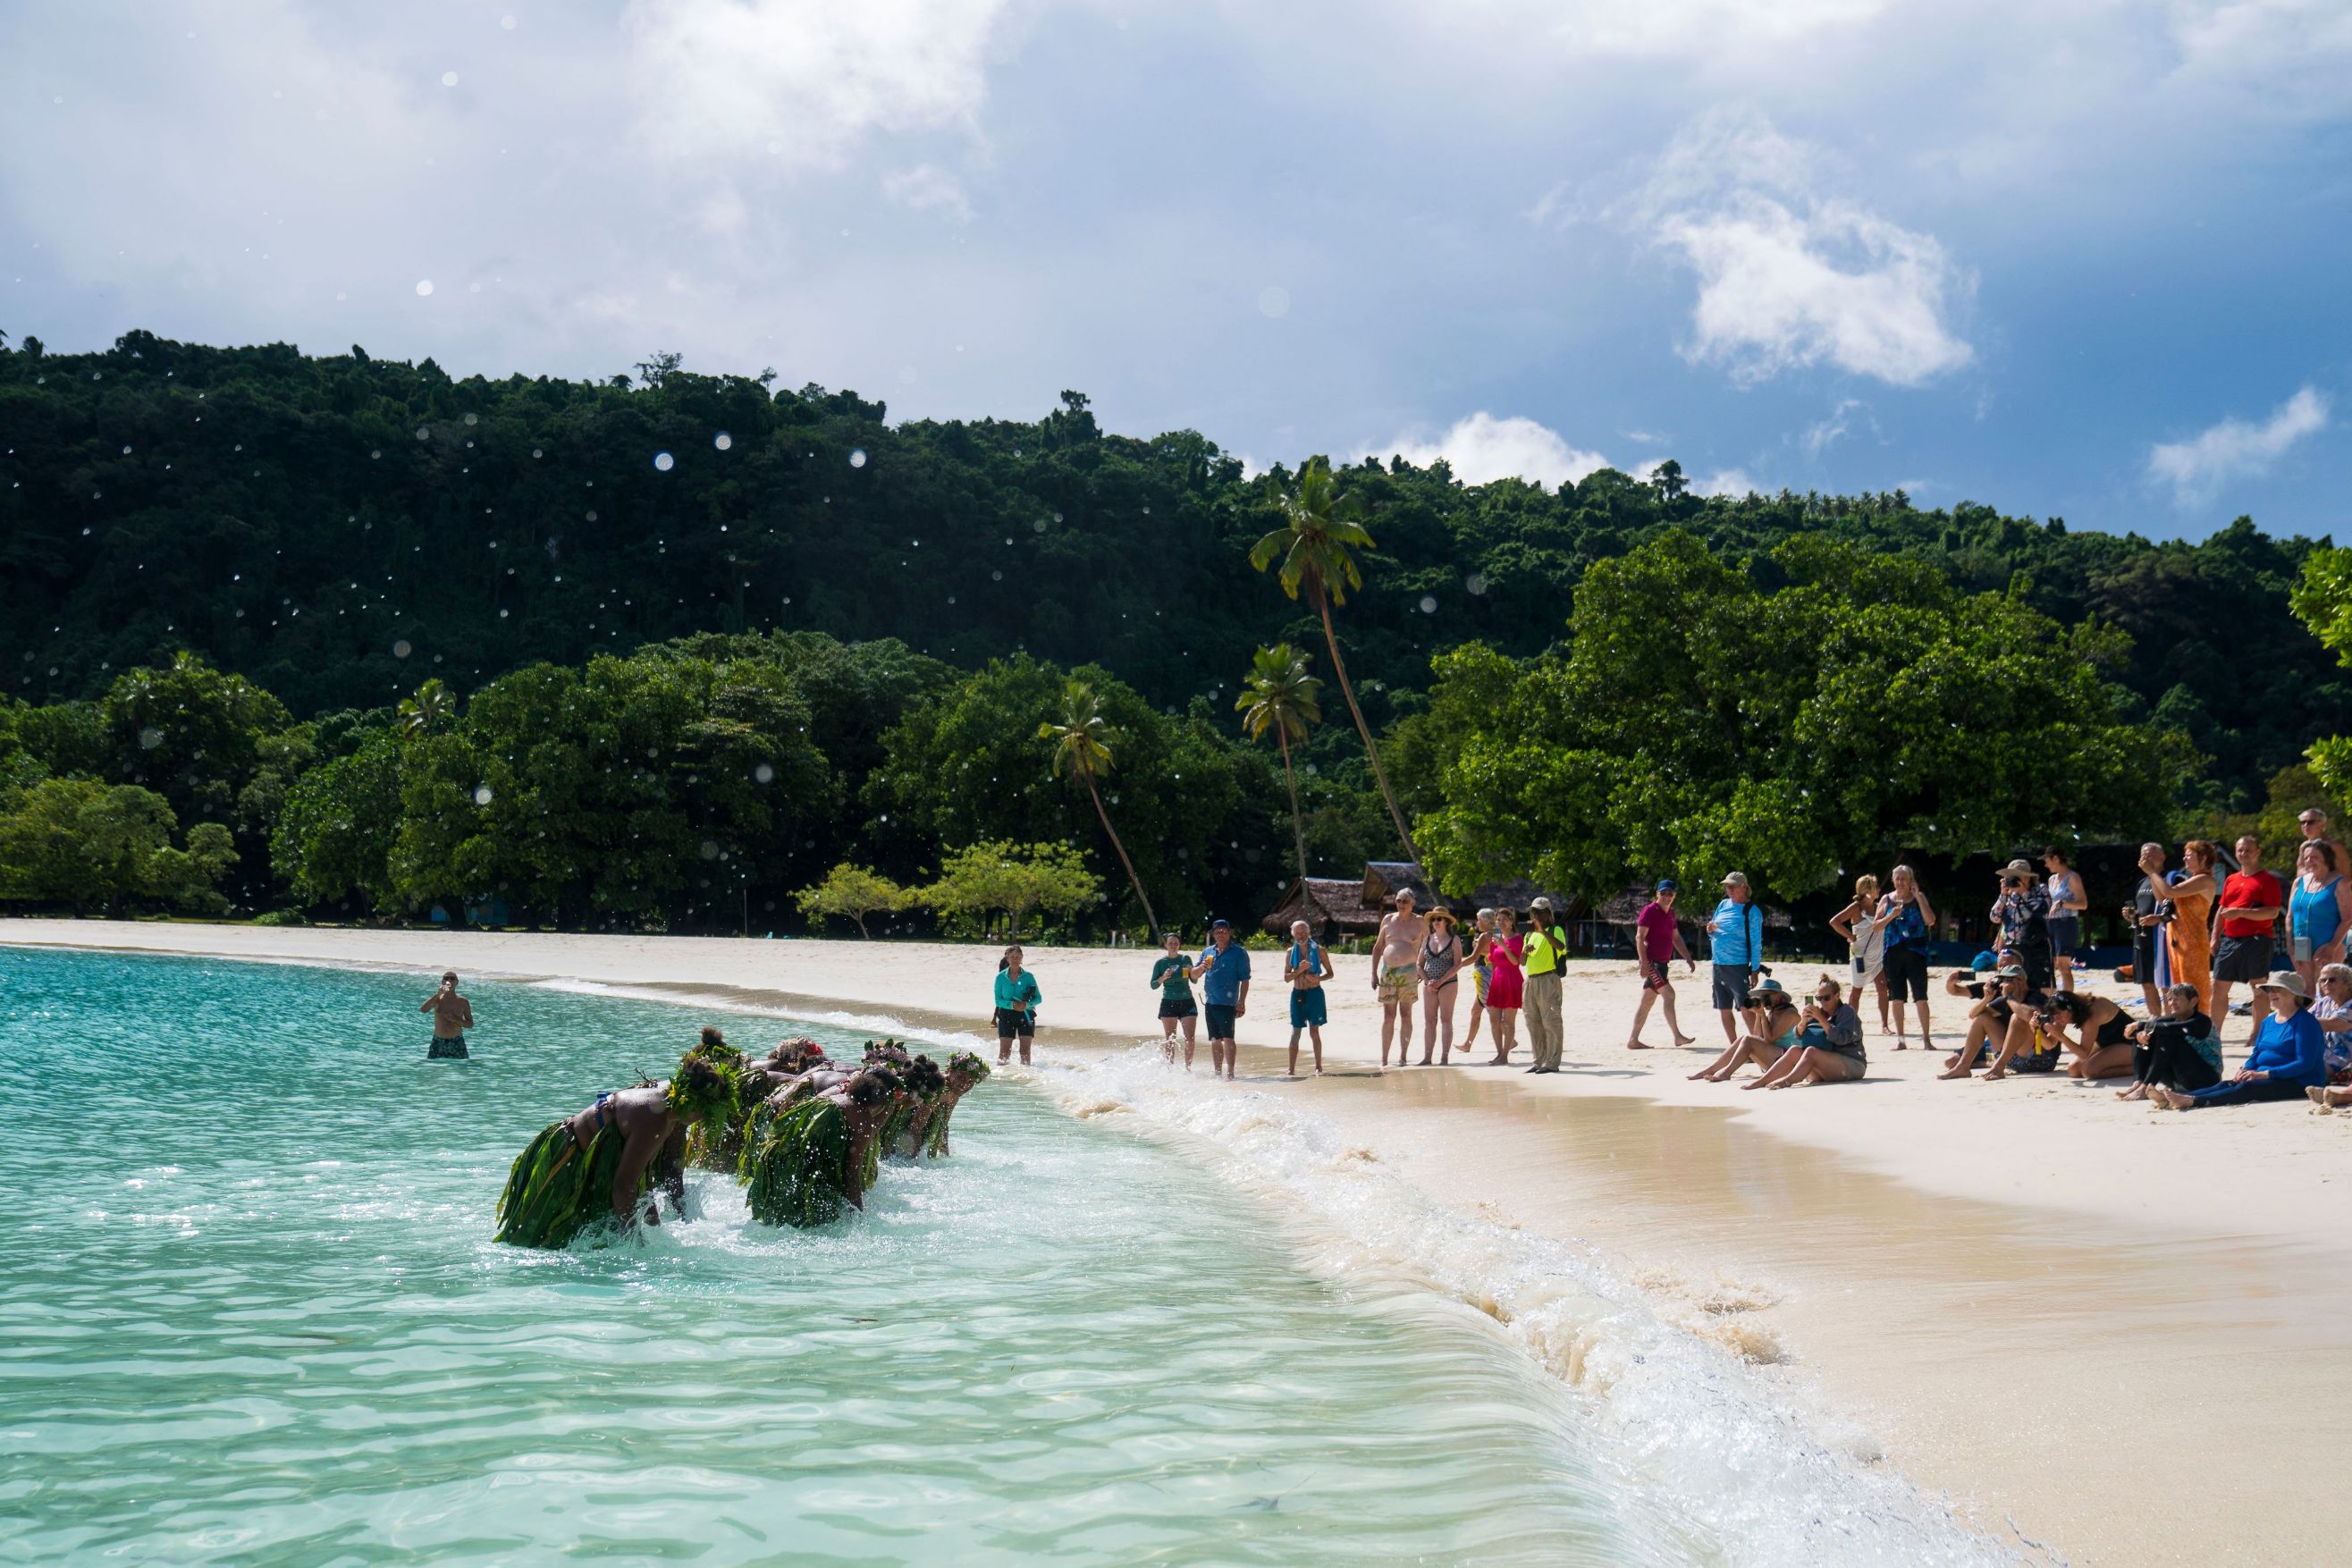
[2202, 933]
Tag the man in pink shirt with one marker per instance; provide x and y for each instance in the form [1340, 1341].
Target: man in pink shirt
[1657, 942]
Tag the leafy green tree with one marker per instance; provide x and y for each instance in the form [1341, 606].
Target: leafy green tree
[851, 893]
[1279, 695]
[1321, 529]
[334, 838]
[2323, 599]
[1012, 879]
[429, 710]
[1081, 740]
[79, 841]
[1699, 721]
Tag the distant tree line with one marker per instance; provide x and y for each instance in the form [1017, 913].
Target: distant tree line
[670, 650]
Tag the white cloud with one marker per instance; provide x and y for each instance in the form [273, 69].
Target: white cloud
[1789, 277]
[2235, 449]
[1822, 436]
[1733, 482]
[802, 81]
[1483, 448]
[926, 188]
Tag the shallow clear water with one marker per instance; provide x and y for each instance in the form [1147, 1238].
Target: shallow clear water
[249, 1311]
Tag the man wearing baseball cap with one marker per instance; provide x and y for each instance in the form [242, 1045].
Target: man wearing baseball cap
[1736, 930]
[1225, 993]
[1657, 942]
[1546, 952]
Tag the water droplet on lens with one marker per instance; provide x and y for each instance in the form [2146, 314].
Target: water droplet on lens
[1274, 301]
[481, 794]
[424, 286]
[857, 457]
[723, 440]
[401, 649]
[1477, 583]
[1428, 604]
[449, 79]
[424, 433]
[664, 461]
[1039, 526]
[150, 738]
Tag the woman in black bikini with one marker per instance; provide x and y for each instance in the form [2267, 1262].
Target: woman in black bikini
[1443, 960]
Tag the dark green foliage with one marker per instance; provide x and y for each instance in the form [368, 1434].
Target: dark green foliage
[796, 1164]
[558, 1189]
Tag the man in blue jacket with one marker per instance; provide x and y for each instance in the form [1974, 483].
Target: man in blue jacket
[1737, 933]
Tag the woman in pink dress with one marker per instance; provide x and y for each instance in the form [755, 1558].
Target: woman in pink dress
[1504, 990]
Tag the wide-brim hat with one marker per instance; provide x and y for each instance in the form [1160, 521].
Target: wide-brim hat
[2285, 980]
[2022, 868]
[1440, 913]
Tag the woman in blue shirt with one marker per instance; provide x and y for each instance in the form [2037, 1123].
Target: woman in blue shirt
[1016, 1006]
[2289, 1055]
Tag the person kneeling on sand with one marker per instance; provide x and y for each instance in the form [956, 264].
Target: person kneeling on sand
[601, 1160]
[2101, 1043]
[2005, 1015]
[1306, 966]
[1828, 1043]
[2178, 1050]
[1768, 1019]
[2289, 1055]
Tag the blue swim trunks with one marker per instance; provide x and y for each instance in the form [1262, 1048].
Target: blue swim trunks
[1307, 1006]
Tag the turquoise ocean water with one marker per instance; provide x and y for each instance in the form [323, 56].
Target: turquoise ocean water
[250, 1312]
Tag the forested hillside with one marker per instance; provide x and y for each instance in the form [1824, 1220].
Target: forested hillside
[227, 577]
[300, 520]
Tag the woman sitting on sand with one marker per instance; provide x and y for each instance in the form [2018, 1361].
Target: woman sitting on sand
[597, 1164]
[2289, 1055]
[2178, 1050]
[1828, 1043]
[1504, 986]
[2101, 1043]
[1768, 1021]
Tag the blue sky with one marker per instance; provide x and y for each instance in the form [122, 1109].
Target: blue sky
[2067, 257]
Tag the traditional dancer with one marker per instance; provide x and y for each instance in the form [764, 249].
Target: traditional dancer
[598, 1163]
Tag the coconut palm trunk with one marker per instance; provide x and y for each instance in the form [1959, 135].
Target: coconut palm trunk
[1149, 920]
[1348, 691]
[1298, 825]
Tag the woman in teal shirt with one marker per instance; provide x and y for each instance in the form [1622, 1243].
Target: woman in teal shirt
[1016, 1006]
[1171, 977]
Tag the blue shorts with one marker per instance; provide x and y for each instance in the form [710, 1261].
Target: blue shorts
[450, 1049]
[1309, 1008]
[1220, 1016]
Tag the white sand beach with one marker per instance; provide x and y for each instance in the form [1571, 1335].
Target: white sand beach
[2112, 1332]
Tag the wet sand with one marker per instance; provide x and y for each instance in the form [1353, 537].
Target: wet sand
[2116, 1332]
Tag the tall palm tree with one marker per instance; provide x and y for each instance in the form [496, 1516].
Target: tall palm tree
[1081, 738]
[1279, 695]
[1321, 524]
[431, 708]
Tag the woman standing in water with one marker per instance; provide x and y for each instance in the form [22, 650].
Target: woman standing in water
[1017, 1007]
[1503, 988]
[1171, 976]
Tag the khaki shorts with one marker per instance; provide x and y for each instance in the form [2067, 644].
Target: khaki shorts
[1398, 984]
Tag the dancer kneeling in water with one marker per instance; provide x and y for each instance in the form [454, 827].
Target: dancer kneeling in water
[810, 1149]
[597, 1163]
[965, 1071]
[926, 1088]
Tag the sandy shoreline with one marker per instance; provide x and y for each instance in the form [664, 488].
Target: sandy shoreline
[2118, 1331]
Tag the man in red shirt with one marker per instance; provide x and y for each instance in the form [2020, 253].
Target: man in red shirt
[2251, 901]
[1657, 941]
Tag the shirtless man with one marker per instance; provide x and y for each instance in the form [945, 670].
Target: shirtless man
[452, 1017]
[1306, 966]
[1396, 974]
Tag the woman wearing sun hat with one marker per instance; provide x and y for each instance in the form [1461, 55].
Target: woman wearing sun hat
[2289, 1055]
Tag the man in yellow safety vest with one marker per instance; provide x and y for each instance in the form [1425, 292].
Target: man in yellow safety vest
[1546, 955]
